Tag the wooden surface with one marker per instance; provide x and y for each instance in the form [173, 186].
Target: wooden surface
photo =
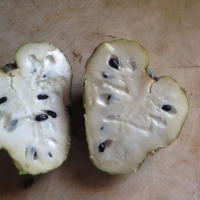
[170, 32]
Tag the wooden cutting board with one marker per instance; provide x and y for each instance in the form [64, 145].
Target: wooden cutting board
[170, 32]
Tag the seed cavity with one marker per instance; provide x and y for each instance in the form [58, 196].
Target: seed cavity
[31, 152]
[3, 100]
[42, 96]
[12, 125]
[112, 117]
[49, 61]
[41, 117]
[51, 113]
[167, 108]
[114, 63]
[106, 75]
[132, 63]
[159, 121]
[104, 99]
[35, 62]
[51, 141]
[32, 58]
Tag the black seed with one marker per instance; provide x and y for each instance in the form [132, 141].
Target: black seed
[166, 108]
[27, 183]
[102, 128]
[51, 113]
[50, 155]
[3, 100]
[41, 117]
[44, 76]
[109, 97]
[42, 96]
[12, 125]
[114, 63]
[101, 147]
[35, 155]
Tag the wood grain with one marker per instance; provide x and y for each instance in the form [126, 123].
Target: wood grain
[170, 32]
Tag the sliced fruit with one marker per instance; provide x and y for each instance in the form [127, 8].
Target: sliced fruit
[129, 112]
[34, 97]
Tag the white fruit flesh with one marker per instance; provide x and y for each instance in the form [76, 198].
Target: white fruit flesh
[36, 146]
[124, 108]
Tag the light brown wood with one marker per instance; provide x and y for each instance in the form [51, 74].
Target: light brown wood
[170, 32]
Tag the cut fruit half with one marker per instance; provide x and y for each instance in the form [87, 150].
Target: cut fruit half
[34, 100]
[129, 112]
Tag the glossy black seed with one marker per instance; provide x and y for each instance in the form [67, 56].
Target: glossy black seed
[3, 100]
[102, 128]
[101, 147]
[35, 155]
[44, 76]
[12, 125]
[41, 117]
[114, 63]
[109, 97]
[50, 155]
[27, 183]
[51, 113]
[42, 96]
[166, 108]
